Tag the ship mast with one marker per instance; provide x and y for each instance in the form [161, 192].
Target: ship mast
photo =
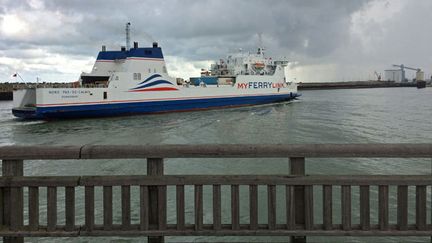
[128, 36]
[260, 44]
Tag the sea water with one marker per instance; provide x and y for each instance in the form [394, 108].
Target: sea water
[386, 115]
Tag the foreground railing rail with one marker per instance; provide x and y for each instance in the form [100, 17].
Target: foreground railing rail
[296, 188]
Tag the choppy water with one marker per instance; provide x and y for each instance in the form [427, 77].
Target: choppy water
[391, 115]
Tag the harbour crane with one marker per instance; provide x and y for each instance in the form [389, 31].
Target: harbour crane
[378, 75]
[403, 67]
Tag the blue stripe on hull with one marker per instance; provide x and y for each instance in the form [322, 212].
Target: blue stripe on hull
[119, 109]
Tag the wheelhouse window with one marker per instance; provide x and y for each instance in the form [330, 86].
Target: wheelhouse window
[137, 76]
[94, 81]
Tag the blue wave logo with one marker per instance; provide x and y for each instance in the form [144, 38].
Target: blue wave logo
[154, 80]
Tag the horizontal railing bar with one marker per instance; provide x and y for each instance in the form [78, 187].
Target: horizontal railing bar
[264, 232]
[39, 233]
[122, 180]
[189, 226]
[37, 152]
[353, 180]
[42, 181]
[217, 151]
[120, 233]
[254, 151]
[355, 227]
[210, 232]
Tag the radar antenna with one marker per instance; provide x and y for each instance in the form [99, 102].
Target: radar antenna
[128, 36]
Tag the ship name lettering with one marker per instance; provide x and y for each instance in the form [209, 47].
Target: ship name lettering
[278, 85]
[260, 85]
[242, 86]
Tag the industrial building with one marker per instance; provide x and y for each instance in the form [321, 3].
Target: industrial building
[398, 75]
[393, 75]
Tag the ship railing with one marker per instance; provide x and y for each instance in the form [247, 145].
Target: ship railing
[293, 204]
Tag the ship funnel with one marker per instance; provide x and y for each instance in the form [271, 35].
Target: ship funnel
[155, 44]
[103, 48]
[135, 45]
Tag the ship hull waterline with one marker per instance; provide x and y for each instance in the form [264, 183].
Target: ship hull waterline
[153, 107]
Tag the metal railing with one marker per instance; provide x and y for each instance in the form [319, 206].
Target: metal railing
[298, 193]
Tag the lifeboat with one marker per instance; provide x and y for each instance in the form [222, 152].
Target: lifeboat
[259, 65]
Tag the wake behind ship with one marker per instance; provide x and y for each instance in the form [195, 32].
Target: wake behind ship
[135, 81]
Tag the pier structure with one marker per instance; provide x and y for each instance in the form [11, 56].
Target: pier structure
[296, 187]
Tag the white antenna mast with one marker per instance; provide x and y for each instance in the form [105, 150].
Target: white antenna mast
[260, 44]
[128, 36]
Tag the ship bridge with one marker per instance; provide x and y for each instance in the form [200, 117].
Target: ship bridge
[138, 61]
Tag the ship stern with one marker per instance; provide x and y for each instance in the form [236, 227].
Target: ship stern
[24, 104]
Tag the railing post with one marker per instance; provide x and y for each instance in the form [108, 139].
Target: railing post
[155, 168]
[297, 167]
[12, 202]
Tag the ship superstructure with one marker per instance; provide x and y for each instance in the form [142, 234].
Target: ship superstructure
[246, 64]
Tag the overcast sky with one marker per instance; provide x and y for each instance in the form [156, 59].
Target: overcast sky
[331, 40]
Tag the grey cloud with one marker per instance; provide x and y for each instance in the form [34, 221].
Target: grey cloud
[207, 30]
[190, 27]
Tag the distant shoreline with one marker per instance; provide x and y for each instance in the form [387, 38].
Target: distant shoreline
[7, 88]
[353, 85]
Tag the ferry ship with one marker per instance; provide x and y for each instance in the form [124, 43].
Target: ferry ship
[134, 80]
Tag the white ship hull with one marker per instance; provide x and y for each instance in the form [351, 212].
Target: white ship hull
[45, 103]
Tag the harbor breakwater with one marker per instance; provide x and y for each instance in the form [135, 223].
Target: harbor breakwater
[6, 95]
[353, 85]
[7, 88]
